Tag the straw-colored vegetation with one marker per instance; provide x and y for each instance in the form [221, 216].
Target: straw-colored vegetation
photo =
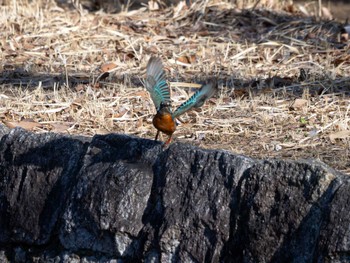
[283, 76]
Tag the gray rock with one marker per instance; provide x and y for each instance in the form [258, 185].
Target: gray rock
[37, 172]
[281, 210]
[116, 198]
[108, 201]
[3, 130]
[3, 257]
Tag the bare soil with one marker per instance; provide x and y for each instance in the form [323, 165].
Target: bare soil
[283, 74]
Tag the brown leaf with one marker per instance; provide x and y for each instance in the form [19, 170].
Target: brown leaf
[240, 93]
[299, 103]
[108, 66]
[26, 124]
[339, 135]
[184, 59]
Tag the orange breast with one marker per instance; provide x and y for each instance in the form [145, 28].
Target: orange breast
[164, 123]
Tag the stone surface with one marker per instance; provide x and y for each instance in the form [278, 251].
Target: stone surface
[116, 198]
[37, 173]
[3, 130]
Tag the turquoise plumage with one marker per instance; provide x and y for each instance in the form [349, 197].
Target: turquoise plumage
[159, 90]
[156, 82]
[197, 99]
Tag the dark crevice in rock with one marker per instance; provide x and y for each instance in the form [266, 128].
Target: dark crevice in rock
[236, 228]
[304, 238]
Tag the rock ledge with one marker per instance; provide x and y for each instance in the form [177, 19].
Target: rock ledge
[116, 198]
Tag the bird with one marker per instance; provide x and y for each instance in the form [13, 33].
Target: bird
[157, 86]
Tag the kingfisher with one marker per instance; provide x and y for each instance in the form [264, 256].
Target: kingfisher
[156, 84]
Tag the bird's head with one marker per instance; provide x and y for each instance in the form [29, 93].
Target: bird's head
[164, 107]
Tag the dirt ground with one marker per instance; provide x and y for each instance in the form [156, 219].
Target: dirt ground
[283, 74]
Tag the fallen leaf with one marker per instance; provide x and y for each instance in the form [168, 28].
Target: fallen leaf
[299, 103]
[339, 135]
[26, 124]
[108, 66]
[184, 59]
[240, 93]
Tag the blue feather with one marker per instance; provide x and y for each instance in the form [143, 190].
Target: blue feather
[156, 82]
[197, 99]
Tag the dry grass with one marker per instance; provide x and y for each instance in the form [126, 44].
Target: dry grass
[267, 106]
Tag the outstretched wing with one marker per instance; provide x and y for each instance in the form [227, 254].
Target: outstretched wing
[156, 83]
[197, 99]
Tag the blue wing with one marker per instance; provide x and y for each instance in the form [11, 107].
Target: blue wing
[197, 99]
[156, 82]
